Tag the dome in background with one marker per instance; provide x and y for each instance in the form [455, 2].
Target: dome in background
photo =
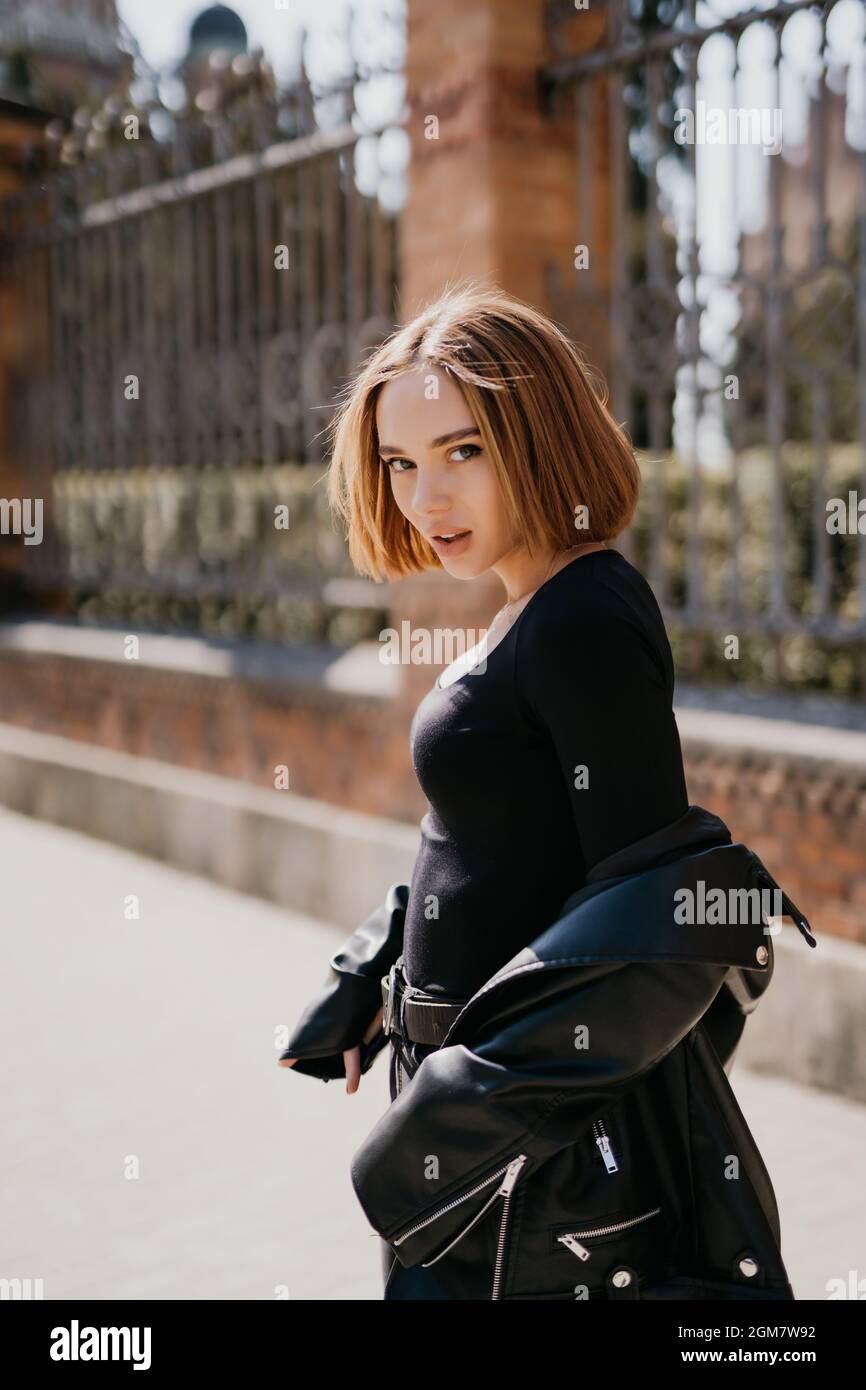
[218, 27]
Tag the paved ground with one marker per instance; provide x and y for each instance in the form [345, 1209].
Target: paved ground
[151, 1042]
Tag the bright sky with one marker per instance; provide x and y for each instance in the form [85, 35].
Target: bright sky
[162, 26]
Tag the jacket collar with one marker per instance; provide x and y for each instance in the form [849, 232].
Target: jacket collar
[696, 831]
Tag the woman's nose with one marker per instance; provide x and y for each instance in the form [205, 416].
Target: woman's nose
[431, 500]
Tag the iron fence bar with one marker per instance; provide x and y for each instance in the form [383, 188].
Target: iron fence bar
[265, 241]
[354, 251]
[59, 411]
[378, 269]
[231, 172]
[184, 269]
[225, 317]
[247, 265]
[734, 406]
[619, 268]
[692, 316]
[776, 385]
[821, 571]
[566, 70]
[655, 278]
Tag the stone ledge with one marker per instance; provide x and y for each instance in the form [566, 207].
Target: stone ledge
[843, 750]
[331, 863]
[797, 706]
[357, 671]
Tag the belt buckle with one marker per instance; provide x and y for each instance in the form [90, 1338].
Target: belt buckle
[390, 980]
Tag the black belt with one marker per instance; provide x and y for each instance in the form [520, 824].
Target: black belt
[413, 1014]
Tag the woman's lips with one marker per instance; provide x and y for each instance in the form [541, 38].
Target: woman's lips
[460, 543]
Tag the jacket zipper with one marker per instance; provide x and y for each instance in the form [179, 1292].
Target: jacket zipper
[505, 1192]
[572, 1242]
[508, 1172]
[603, 1142]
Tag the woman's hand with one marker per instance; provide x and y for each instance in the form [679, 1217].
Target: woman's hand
[351, 1057]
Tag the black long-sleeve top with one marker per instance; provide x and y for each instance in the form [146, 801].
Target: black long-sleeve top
[561, 749]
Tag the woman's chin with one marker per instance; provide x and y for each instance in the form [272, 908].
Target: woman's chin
[461, 567]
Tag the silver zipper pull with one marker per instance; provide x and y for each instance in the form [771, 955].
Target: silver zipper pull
[510, 1178]
[610, 1162]
[574, 1246]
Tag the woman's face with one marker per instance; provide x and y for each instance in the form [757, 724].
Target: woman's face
[441, 478]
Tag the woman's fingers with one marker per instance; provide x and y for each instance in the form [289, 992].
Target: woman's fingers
[352, 1060]
[351, 1057]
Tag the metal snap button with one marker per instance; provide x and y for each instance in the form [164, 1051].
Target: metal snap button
[748, 1267]
[763, 955]
[621, 1278]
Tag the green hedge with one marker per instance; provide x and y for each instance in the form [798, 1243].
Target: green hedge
[808, 661]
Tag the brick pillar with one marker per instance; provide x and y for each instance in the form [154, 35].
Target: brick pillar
[491, 195]
[492, 188]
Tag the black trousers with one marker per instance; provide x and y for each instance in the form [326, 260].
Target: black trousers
[400, 1283]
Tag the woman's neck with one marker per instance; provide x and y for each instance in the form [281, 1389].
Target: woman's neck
[522, 573]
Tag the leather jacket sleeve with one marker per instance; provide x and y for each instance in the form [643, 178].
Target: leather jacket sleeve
[340, 1013]
[726, 1017]
[533, 1080]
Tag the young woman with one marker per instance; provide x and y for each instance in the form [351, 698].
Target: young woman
[473, 440]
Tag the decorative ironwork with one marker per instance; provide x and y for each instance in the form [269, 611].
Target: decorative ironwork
[194, 303]
[731, 286]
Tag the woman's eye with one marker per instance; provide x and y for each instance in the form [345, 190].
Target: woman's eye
[469, 450]
[474, 449]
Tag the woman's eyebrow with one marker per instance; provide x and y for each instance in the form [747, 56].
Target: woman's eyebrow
[434, 443]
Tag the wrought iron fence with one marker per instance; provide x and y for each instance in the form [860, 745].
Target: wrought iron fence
[191, 305]
[730, 284]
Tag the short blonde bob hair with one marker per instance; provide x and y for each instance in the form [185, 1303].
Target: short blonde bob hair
[546, 428]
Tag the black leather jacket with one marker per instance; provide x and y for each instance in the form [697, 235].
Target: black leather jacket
[576, 1134]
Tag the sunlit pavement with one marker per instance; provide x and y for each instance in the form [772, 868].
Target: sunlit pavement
[147, 1046]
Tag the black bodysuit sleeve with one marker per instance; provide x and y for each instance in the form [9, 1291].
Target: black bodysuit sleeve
[600, 684]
